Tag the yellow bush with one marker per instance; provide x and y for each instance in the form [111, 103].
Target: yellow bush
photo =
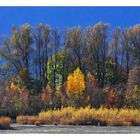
[27, 119]
[84, 116]
[71, 115]
[21, 119]
[129, 115]
[57, 116]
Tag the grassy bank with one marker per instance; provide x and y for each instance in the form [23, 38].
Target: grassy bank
[84, 116]
[5, 122]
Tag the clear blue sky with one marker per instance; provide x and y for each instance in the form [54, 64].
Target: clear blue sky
[67, 16]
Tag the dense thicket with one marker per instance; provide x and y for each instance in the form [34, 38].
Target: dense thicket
[38, 64]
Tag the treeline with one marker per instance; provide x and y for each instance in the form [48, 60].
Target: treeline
[41, 58]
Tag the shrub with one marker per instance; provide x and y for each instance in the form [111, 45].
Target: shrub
[27, 119]
[129, 115]
[15, 102]
[84, 116]
[112, 99]
[5, 122]
[62, 116]
[102, 116]
[21, 119]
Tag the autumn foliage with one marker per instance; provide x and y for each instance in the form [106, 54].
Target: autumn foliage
[43, 70]
[75, 86]
[112, 99]
[5, 122]
[75, 83]
[90, 116]
[27, 119]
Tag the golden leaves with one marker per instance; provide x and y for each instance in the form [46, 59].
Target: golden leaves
[14, 87]
[75, 84]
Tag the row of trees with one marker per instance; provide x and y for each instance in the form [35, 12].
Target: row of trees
[79, 91]
[49, 55]
[40, 59]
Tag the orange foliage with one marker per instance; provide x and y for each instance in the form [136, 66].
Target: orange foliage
[14, 87]
[112, 99]
[5, 122]
[27, 119]
[75, 84]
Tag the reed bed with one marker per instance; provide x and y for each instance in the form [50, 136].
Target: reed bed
[85, 116]
[27, 119]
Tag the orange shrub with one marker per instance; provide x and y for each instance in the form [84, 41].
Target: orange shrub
[82, 116]
[27, 119]
[112, 99]
[102, 116]
[5, 122]
[62, 116]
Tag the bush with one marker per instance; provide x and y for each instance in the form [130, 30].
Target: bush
[15, 103]
[27, 119]
[83, 116]
[112, 99]
[5, 122]
[62, 116]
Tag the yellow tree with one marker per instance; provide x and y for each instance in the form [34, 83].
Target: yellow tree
[75, 85]
[14, 87]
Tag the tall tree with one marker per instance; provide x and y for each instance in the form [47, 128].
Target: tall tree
[115, 47]
[42, 39]
[98, 45]
[74, 45]
[54, 50]
[22, 40]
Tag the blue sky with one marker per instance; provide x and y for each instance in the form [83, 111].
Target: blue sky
[67, 16]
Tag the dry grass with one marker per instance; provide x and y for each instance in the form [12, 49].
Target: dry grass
[27, 119]
[62, 116]
[130, 115]
[5, 122]
[84, 116]
[102, 116]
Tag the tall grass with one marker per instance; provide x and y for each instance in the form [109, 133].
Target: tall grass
[27, 119]
[84, 116]
[63, 116]
[101, 116]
